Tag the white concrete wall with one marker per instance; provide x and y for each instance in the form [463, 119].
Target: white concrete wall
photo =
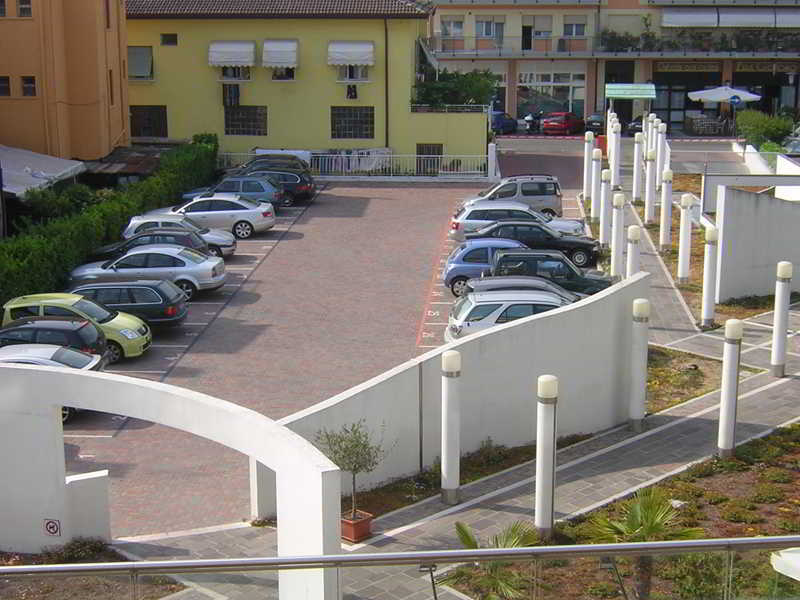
[756, 231]
[787, 166]
[587, 345]
[87, 505]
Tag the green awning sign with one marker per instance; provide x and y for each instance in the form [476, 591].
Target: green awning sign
[631, 91]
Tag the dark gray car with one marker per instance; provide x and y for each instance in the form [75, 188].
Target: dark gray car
[159, 302]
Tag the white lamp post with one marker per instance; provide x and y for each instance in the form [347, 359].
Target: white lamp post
[734, 328]
[605, 207]
[617, 233]
[633, 263]
[709, 277]
[545, 454]
[638, 398]
[451, 427]
[650, 187]
[685, 238]
[661, 148]
[780, 323]
[615, 167]
[597, 167]
[588, 148]
[637, 166]
[665, 226]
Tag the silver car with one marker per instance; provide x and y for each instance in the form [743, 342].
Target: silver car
[519, 283]
[480, 214]
[540, 192]
[187, 268]
[230, 212]
[220, 243]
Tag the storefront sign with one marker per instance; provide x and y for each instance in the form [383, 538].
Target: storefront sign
[764, 66]
[686, 67]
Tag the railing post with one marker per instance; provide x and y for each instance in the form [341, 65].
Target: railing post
[588, 148]
[654, 136]
[597, 167]
[634, 263]
[451, 427]
[780, 322]
[661, 149]
[650, 187]
[637, 167]
[709, 277]
[685, 239]
[615, 168]
[545, 454]
[617, 232]
[665, 225]
[726, 436]
[638, 398]
[605, 207]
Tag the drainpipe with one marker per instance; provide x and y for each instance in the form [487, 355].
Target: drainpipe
[386, 78]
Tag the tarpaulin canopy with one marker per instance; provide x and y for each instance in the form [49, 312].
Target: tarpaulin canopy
[24, 170]
[279, 53]
[631, 91]
[232, 54]
[723, 94]
[787, 562]
[351, 53]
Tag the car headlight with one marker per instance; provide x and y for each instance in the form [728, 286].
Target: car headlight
[129, 333]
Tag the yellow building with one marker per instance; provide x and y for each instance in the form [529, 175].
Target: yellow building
[62, 65]
[308, 74]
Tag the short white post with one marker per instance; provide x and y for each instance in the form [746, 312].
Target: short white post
[685, 239]
[491, 162]
[617, 233]
[605, 207]
[649, 135]
[661, 149]
[709, 277]
[637, 166]
[451, 427]
[634, 262]
[654, 134]
[588, 148]
[650, 187]
[780, 323]
[665, 225]
[597, 167]
[638, 397]
[615, 168]
[545, 454]
[729, 394]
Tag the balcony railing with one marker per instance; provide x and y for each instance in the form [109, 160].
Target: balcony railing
[444, 46]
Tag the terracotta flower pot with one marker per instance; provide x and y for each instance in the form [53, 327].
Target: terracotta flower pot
[360, 528]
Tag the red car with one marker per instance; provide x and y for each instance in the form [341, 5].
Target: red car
[563, 123]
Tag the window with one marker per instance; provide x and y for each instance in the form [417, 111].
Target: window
[353, 73]
[251, 187]
[507, 191]
[111, 86]
[520, 214]
[5, 86]
[2, 8]
[58, 311]
[236, 73]
[90, 294]
[481, 312]
[201, 206]
[140, 59]
[355, 122]
[538, 189]
[228, 186]
[169, 39]
[574, 25]
[136, 261]
[109, 296]
[24, 311]
[283, 74]
[146, 226]
[230, 94]
[516, 311]
[513, 266]
[452, 27]
[245, 120]
[17, 336]
[24, 8]
[497, 215]
[223, 205]
[553, 269]
[144, 296]
[542, 26]
[484, 28]
[48, 336]
[479, 255]
[28, 86]
[162, 261]
[506, 231]
[107, 8]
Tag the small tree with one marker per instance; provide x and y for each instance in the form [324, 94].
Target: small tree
[351, 449]
[475, 87]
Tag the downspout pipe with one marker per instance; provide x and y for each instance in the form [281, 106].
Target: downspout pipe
[386, 80]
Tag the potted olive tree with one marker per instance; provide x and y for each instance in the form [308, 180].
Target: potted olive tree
[352, 450]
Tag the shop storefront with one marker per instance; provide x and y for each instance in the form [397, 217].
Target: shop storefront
[775, 81]
[551, 86]
[675, 79]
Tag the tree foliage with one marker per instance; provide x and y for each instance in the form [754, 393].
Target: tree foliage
[475, 87]
[758, 127]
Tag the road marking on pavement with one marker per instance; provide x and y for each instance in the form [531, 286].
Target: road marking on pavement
[196, 324]
[442, 302]
[435, 323]
[169, 346]
[424, 346]
[151, 537]
[81, 435]
[231, 285]
[239, 268]
[86, 456]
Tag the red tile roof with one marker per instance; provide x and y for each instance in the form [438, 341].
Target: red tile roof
[149, 9]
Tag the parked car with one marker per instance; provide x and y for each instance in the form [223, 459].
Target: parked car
[160, 236]
[470, 259]
[126, 336]
[563, 123]
[256, 188]
[271, 161]
[80, 334]
[220, 243]
[478, 312]
[296, 183]
[519, 283]
[157, 302]
[225, 211]
[634, 127]
[596, 123]
[581, 250]
[50, 355]
[503, 123]
[188, 269]
[549, 264]
[541, 192]
[480, 214]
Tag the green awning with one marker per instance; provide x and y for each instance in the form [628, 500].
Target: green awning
[631, 91]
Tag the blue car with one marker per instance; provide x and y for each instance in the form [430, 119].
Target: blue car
[503, 123]
[257, 189]
[470, 259]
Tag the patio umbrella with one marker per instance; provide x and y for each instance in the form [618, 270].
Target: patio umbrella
[723, 94]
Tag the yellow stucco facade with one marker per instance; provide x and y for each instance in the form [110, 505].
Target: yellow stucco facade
[62, 90]
[298, 112]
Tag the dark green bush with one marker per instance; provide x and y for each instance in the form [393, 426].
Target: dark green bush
[758, 127]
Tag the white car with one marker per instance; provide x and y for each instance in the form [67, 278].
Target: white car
[480, 214]
[230, 212]
[480, 311]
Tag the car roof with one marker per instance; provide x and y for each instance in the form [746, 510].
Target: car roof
[499, 205]
[291, 170]
[159, 217]
[29, 350]
[115, 284]
[530, 252]
[51, 322]
[59, 298]
[171, 249]
[516, 295]
[172, 230]
[511, 222]
[529, 177]
[496, 242]
[221, 196]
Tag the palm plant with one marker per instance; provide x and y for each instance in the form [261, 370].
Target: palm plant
[647, 517]
[495, 580]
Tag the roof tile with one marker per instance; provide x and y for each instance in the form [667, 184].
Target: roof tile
[275, 8]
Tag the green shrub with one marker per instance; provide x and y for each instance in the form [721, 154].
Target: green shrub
[758, 127]
[698, 576]
[789, 525]
[738, 511]
[776, 475]
[715, 498]
[703, 469]
[767, 493]
[759, 451]
[603, 589]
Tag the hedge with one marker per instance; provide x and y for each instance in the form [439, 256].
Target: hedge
[758, 127]
[41, 258]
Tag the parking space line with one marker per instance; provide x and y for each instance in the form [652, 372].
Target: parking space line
[251, 254]
[441, 302]
[231, 285]
[80, 435]
[196, 324]
[435, 323]
[425, 346]
[239, 268]
[169, 345]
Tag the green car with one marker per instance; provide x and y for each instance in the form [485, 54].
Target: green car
[127, 336]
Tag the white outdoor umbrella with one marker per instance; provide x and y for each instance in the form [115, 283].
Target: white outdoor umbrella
[787, 562]
[723, 94]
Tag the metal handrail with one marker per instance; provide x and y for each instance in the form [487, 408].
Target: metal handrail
[166, 567]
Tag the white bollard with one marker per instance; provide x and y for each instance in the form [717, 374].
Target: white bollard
[650, 187]
[665, 225]
[661, 149]
[638, 398]
[605, 207]
[654, 134]
[617, 233]
[633, 265]
[637, 166]
[729, 394]
[451, 427]
[616, 167]
[545, 454]
[491, 162]
[780, 323]
[588, 148]
[685, 238]
[649, 135]
[597, 167]
[709, 278]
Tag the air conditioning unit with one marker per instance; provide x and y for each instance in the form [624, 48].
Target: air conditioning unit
[352, 92]
[230, 94]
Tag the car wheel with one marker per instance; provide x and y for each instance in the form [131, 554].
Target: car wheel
[459, 286]
[288, 199]
[115, 353]
[66, 413]
[549, 212]
[580, 257]
[215, 251]
[242, 230]
[188, 288]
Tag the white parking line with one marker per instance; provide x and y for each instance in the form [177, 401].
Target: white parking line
[78, 435]
[195, 324]
[239, 268]
[169, 345]
[441, 302]
[424, 346]
[434, 323]
[231, 285]
[251, 254]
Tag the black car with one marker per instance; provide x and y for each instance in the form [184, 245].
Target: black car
[581, 250]
[176, 236]
[157, 302]
[634, 126]
[596, 123]
[295, 183]
[74, 333]
[549, 264]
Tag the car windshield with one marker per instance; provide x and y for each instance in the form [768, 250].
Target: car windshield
[543, 217]
[177, 207]
[194, 225]
[171, 291]
[486, 192]
[247, 202]
[88, 333]
[192, 256]
[95, 311]
[462, 307]
[72, 358]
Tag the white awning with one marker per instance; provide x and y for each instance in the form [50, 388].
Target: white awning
[689, 17]
[752, 18]
[787, 17]
[24, 170]
[351, 53]
[232, 54]
[279, 53]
